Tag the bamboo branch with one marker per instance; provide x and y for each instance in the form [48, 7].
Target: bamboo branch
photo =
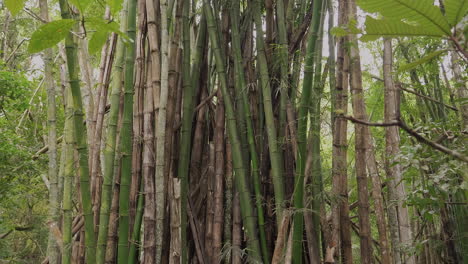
[400, 85]
[414, 134]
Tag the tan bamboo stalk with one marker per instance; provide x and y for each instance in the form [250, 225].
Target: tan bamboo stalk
[103, 63]
[175, 59]
[340, 222]
[149, 214]
[228, 201]
[160, 184]
[396, 188]
[175, 251]
[361, 143]
[54, 201]
[209, 217]
[87, 88]
[107, 54]
[218, 182]
[236, 248]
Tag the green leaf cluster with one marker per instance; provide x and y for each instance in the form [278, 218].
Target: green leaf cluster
[412, 18]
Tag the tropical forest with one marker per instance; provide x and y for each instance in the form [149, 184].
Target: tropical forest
[233, 131]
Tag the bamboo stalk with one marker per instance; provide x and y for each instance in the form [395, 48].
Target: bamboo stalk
[80, 136]
[109, 150]
[239, 168]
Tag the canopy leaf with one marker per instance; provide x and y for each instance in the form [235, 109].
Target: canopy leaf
[14, 6]
[376, 28]
[97, 40]
[422, 13]
[455, 10]
[50, 34]
[115, 5]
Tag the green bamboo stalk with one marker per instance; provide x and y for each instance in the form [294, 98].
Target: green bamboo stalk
[240, 88]
[80, 136]
[186, 130]
[298, 196]
[239, 167]
[126, 137]
[67, 204]
[275, 153]
[284, 78]
[109, 150]
[315, 124]
[132, 255]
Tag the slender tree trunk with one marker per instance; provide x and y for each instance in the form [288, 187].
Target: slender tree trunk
[397, 191]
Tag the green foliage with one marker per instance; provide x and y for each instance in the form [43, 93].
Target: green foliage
[23, 196]
[102, 30]
[115, 5]
[15, 6]
[97, 41]
[424, 59]
[376, 28]
[411, 18]
[12, 91]
[455, 10]
[50, 34]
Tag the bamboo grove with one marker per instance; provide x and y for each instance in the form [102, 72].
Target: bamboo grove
[246, 131]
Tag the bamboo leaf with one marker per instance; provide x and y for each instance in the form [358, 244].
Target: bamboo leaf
[14, 6]
[50, 34]
[424, 59]
[455, 10]
[421, 12]
[376, 28]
